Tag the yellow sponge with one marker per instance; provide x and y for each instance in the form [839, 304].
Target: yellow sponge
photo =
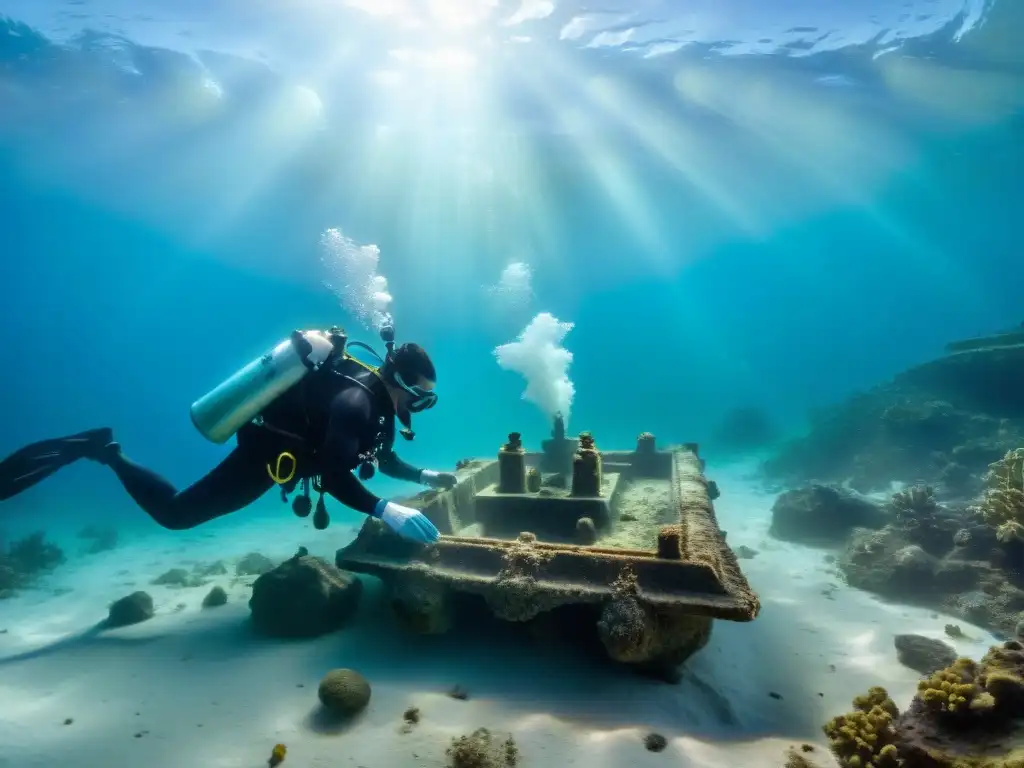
[864, 737]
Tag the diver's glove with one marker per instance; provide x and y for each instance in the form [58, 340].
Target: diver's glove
[443, 480]
[408, 523]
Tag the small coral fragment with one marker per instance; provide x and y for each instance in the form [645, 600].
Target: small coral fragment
[479, 750]
[277, 755]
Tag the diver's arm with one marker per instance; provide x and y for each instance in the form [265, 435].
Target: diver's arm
[346, 488]
[392, 466]
[350, 417]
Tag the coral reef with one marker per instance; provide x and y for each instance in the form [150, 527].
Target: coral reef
[303, 597]
[975, 580]
[344, 692]
[915, 549]
[968, 715]
[922, 520]
[941, 422]
[132, 609]
[914, 502]
[1002, 504]
[481, 750]
[25, 560]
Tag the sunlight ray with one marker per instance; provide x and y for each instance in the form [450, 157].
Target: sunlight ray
[679, 145]
[616, 180]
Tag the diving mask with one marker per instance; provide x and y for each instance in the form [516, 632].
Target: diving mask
[421, 399]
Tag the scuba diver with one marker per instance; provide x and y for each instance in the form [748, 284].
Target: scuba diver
[306, 413]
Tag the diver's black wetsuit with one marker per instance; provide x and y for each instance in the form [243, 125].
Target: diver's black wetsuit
[331, 422]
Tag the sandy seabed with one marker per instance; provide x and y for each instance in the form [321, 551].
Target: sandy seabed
[195, 687]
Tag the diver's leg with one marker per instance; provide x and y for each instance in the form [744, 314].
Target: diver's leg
[36, 462]
[235, 483]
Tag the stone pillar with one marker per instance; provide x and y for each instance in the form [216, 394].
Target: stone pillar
[533, 480]
[512, 465]
[586, 468]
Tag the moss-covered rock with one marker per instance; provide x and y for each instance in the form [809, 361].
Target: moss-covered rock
[253, 564]
[131, 609]
[303, 597]
[822, 515]
[215, 598]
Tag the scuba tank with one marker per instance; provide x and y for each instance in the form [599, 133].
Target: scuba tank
[220, 413]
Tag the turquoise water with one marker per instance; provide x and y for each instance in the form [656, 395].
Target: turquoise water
[797, 202]
[734, 204]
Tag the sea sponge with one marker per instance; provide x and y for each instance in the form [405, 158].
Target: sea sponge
[964, 716]
[865, 737]
[956, 690]
[479, 750]
[344, 692]
[1002, 504]
[1002, 675]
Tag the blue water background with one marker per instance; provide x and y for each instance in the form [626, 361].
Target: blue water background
[135, 275]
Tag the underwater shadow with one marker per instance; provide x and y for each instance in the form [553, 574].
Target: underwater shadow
[724, 694]
[322, 721]
[718, 697]
[93, 636]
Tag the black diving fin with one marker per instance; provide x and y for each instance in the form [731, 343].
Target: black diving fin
[36, 462]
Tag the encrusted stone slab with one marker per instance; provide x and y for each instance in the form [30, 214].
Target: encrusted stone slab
[692, 571]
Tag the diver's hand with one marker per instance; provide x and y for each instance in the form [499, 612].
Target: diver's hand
[443, 480]
[408, 523]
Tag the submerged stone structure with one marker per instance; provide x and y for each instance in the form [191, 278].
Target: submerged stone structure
[654, 573]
